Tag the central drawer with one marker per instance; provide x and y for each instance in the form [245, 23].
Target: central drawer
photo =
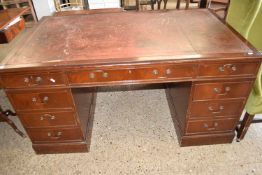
[48, 119]
[146, 73]
[55, 135]
[41, 99]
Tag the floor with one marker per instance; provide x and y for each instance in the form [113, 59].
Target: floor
[133, 134]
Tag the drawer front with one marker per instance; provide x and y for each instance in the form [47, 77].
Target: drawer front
[216, 108]
[55, 135]
[48, 119]
[133, 74]
[209, 126]
[228, 69]
[206, 91]
[33, 80]
[41, 100]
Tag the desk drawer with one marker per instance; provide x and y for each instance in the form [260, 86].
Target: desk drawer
[212, 125]
[148, 73]
[33, 80]
[55, 135]
[216, 108]
[41, 99]
[206, 91]
[228, 69]
[48, 119]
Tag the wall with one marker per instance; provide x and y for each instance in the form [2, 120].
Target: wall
[44, 8]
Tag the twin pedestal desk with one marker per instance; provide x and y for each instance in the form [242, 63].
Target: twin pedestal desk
[51, 79]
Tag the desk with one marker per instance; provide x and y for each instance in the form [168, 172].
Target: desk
[51, 79]
[9, 31]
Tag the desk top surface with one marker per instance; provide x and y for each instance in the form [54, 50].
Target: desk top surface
[127, 37]
[6, 16]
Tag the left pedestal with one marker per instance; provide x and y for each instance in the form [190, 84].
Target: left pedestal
[56, 120]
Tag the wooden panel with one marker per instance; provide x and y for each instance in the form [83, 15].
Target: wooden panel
[140, 73]
[207, 139]
[228, 69]
[41, 99]
[48, 119]
[216, 108]
[54, 148]
[212, 125]
[221, 90]
[36, 79]
[55, 135]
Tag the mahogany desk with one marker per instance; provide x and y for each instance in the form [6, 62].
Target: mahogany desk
[51, 79]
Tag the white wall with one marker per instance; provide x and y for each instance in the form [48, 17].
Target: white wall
[98, 4]
[44, 8]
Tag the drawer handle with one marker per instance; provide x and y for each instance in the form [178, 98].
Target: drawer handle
[26, 80]
[47, 116]
[221, 92]
[38, 79]
[168, 71]
[105, 74]
[227, 66]
[155, 72]
[211, 128]
[221, 108]
[92, 75]
[45, 99]
[55, 136]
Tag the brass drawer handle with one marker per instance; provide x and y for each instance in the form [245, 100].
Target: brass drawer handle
[38, 79]
[219, 91]
[26, 80]
[105, 74]
[55, 136]
[211, 128]
[168, 71]
[47, 116]
[44, 100]
[228, 67]
[155, 72]
[220, 109]
[91, 75]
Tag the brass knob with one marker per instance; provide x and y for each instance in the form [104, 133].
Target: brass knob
[45, 99]
[168, 71]
[221, 69]
[217, 90]
[215, 124]
[59, 133]
[155, 72]
[105, 74]
[227, 89]
[49, 134]
[34, 99]
[26, 80]
[92, 75]
[38, 79]
[205, 125]
[234, 68]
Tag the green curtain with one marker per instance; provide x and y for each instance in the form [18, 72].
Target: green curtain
[245, 16]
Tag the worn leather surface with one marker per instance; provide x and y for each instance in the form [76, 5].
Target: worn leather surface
[245, 16]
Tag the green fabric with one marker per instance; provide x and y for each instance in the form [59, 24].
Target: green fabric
[245, 16]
